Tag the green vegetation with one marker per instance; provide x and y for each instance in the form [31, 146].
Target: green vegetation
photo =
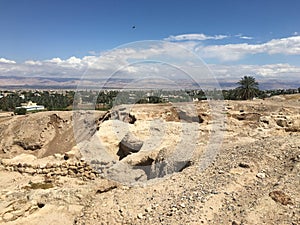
[20, 111]
[248, 88]
[51, 101]
[106, 99]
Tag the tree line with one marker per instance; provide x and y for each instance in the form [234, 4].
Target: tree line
[248, 88]
[51, 101]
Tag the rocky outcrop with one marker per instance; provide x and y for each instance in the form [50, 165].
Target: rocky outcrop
[126, 174]
[253, 179]
[129, 144]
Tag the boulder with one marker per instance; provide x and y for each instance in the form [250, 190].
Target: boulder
[129, 144]
[124, 173]
[165, 167]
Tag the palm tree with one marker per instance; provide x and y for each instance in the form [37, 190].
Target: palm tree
[248, 88]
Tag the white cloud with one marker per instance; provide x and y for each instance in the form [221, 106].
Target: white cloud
[234, 52]
[288, 46]
[3, 60]
[229, 52]
[73, 60]
[244, 37]
[54, 60]
[142, 59]
[32, 62]
[279, 71]
[194, 37]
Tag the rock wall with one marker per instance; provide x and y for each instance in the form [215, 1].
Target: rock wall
[72, 169]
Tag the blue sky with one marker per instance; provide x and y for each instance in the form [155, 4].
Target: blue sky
[229, 33]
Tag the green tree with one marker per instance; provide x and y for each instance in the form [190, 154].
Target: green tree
[20, 111]
[248, 88]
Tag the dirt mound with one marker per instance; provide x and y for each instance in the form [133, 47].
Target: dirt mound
[253, 180]
[41, 134]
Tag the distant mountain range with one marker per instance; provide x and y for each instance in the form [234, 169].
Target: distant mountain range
[16, 82]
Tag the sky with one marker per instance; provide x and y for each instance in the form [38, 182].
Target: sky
[233, 37]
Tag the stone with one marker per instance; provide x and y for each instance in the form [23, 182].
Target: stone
[29, 170]
[182, 205]
[129, 144]
[33, 209]
[92, 176]
[244, 165]
[140, 216]
[281, 122]
[281, 197]
[124, 173]
[21, 170]
[8, 217]
[19, 213]
[71, 154]
[261, 175]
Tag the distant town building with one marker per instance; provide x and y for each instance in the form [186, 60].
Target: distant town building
[31, 106]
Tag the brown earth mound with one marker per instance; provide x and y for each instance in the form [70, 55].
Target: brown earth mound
[50, 177]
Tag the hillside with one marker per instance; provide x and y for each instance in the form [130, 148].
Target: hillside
[231, 162]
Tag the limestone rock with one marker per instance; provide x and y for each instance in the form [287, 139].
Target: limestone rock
[261, 175]
[8, 217]
[129, 144]
[124, 173]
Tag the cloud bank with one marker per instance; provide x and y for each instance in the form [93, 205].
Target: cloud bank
[135, 60]
[235, 52]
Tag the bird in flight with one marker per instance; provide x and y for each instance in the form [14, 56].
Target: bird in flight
[133, 27]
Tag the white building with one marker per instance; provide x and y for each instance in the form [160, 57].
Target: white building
[31, 106]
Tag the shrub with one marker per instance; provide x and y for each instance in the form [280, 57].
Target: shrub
[20, 111]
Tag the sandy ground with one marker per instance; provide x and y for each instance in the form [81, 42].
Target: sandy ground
[253, 178]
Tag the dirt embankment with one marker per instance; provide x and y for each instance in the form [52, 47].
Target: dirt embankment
[253, 179]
